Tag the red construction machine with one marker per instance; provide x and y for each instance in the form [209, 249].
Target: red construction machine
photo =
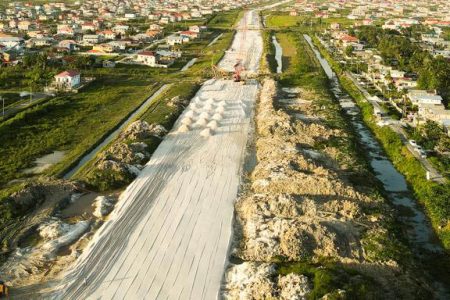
[238, 68]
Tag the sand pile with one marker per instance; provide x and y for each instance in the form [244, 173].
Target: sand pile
[139, 130]
[260, 281]
[129, 154]
[298, 206]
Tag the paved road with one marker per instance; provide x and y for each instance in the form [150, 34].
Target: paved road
[396, 126]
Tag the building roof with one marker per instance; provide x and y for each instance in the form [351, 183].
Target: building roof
[147, 53]
[70, 73]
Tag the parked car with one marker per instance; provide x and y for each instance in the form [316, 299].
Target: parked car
[413, 143]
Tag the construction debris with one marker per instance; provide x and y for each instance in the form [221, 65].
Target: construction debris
[299, 206]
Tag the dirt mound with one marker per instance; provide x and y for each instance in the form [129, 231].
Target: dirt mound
[250, 281]
[178, 101]
[293, 287]
[140, 130]
[260, 281]
[299, 205]
[126, 157]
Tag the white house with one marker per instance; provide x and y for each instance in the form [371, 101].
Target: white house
[419, 97]
[11, 41]
[121, 29]
[130, 16]
[147, 58]
[174, 40]
[91, 39]
[68, 79]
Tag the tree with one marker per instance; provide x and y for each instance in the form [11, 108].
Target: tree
[443, 145]
[349, 50]
[431, 133]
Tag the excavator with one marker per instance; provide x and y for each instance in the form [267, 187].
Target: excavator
[3, 290]
[238, 68]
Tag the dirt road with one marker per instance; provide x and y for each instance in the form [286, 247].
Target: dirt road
[169, 236]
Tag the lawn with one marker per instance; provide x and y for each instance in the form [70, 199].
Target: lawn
[71, 123]
[285, 21]
[282, 20]
[225, 20]
[290, 56]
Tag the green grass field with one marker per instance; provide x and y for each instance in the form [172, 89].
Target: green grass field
[290, 57]
[284, 21]
[71, 123]
[225, 20]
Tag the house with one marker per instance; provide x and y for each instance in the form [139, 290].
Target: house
[168, 55]
[108, 34]
[64, 29]
[121, 29]
[8, 56]
[120, 45]
[3, 26]
[105, 48]
[347, 40]
[70, 45]
[13, 23]
[24, 25]
[88, 26]
[419, 97]
[130, 16]
[11, 41]
[147, 58]
[41, 42]
[189, 34]
[91, 39]
[155, 27]
[164, 20]
[433, 112]
[404, 83]
[67, 80]
[196, 28]
[175, 40]
[152, 34]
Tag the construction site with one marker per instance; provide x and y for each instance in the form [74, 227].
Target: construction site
[250, 195]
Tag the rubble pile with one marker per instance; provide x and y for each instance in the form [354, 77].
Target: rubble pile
[251, 280]
[129, 155]
[178, 102]
[298, 206]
